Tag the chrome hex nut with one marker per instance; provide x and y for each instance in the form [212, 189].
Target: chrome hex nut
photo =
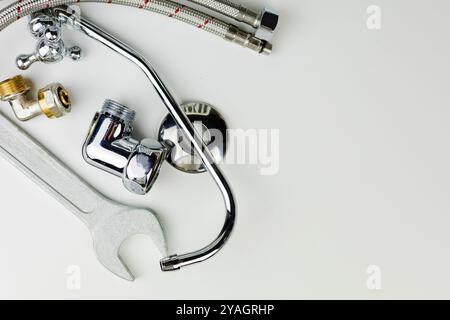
[143, 166]
[268, 22]
[269, 19]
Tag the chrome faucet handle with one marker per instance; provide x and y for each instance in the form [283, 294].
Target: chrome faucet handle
[48, 53]
[50, 47]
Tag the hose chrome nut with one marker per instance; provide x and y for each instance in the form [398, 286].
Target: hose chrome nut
[109, 146]
[267, 23]
[53, 100]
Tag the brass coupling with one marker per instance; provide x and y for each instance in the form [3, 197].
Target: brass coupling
[53, 100]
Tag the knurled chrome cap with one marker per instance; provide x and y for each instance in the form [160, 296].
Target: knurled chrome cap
[12, 87]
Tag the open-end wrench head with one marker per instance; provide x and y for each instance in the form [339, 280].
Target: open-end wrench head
[111, 230]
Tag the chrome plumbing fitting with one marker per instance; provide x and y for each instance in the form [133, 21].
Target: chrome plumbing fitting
[264, 22]
[53, 100]
[267, 23]
[249, 41]
[109, 146]
[50, 47]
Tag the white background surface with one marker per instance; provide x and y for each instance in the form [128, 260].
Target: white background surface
[364, 166]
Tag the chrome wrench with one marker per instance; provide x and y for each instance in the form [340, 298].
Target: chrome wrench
[110, 222]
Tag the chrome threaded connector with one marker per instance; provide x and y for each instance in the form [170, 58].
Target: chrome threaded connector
[248, 17]
[118, 110]
[265, 22]
[249, 41]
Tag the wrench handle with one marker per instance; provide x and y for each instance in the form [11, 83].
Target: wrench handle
[46, 170]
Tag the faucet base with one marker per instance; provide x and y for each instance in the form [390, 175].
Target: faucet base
[210, 125]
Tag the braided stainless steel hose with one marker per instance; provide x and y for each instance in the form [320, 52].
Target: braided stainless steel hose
[22, 8]
[231, 10]
[265, 21]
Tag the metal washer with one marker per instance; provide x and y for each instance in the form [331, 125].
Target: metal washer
[209, 123]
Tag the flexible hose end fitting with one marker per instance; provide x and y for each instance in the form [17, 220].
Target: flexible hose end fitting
[265, 22]
[247, 40]
[249, 17]
[53, 100]
[267, 50]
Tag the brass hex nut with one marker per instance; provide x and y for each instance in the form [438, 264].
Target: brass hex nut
[54, 100]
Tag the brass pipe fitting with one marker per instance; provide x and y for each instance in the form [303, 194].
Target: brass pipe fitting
[53, 100]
